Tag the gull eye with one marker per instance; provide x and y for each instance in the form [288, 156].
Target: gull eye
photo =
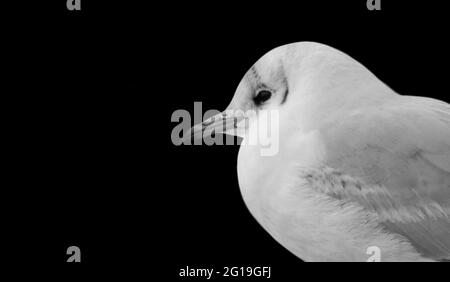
[262, 96]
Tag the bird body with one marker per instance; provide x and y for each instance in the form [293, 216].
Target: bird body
[358, 165]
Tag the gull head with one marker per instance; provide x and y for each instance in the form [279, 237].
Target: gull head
[305, 82]
[264, 87]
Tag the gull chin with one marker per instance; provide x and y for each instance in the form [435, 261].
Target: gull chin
[357, 167]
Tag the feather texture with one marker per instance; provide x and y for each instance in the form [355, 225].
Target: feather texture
[399, 170]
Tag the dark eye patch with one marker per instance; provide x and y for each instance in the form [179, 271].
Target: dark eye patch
[262, 96]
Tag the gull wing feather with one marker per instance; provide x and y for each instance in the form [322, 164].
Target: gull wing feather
[397, 165]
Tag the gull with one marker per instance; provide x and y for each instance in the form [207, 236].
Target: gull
[358, 168]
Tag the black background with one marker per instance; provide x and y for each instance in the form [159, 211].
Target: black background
[92, 97]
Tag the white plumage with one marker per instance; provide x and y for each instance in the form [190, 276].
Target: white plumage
[358, 165]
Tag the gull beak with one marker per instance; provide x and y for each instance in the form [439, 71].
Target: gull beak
[227, 122]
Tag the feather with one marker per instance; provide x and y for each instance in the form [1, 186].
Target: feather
[398, 170]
